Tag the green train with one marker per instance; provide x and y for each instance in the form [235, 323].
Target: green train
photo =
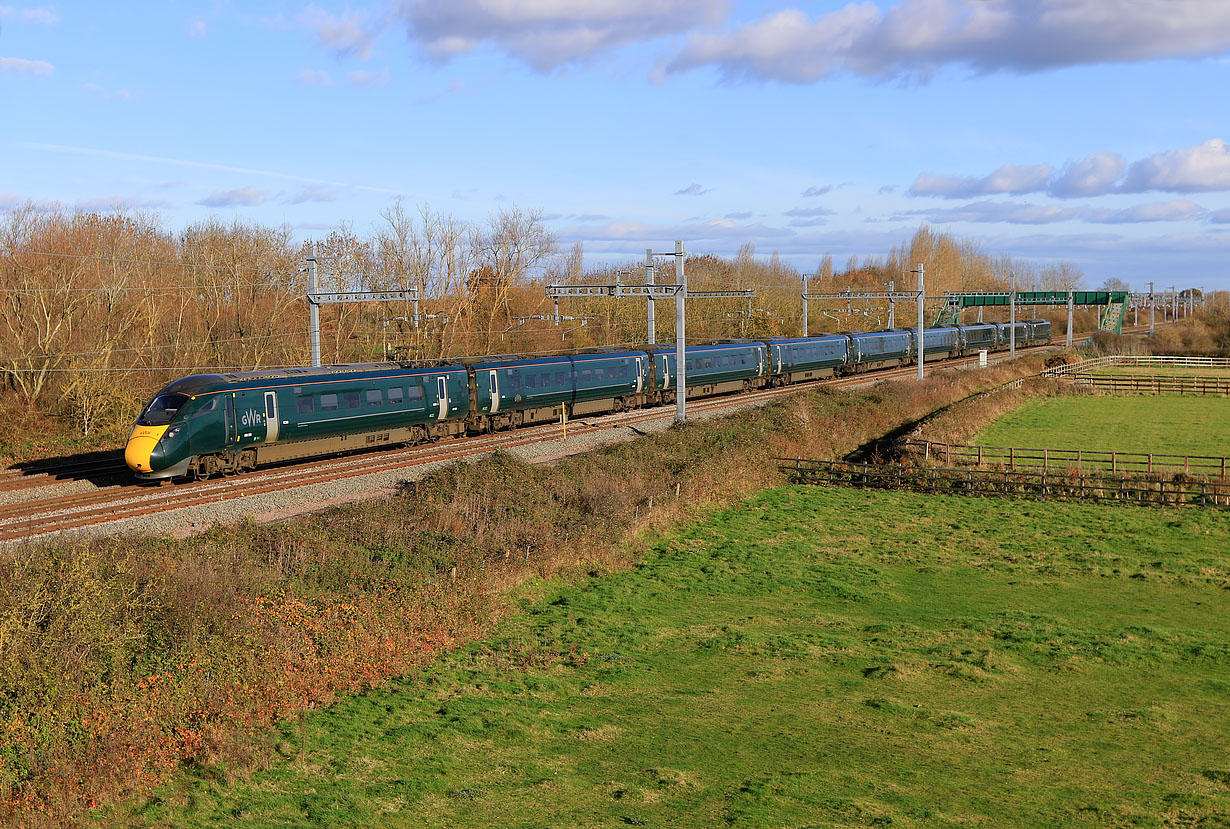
[217, 424]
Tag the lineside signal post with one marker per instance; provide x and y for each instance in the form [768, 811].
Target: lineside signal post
[679, 292]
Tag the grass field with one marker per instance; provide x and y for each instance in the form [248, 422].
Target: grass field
[1160, 424]
[815, 657]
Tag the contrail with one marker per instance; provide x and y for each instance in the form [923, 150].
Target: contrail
[205, 165]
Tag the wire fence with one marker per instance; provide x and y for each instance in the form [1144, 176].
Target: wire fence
[1155, 490]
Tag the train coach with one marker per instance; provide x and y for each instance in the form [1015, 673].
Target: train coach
[209, 424]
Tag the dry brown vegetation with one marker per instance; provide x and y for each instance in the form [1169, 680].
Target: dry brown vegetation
[100, 310]
[122, 658]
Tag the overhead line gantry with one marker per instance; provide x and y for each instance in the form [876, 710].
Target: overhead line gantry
[677, 291]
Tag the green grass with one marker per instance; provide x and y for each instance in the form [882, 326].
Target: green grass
[1161, 424]
[816, 657]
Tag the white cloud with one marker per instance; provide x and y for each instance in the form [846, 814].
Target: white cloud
[21, 66]
[811, 192]
[362, 78]
[119, 95]
[45, 17]
[1196, 169]
[1014, 179]
[1220, 217]
[547, 34]
[314, 194]
[693, 190]
[239, 197]
[11, 201]
[197, 28]
[1024, 213]
[350, 35]
[915, 38]
[1179, 210]
[663, 236]
[1203, 168]
[1093, 175]
[809, 211]
[314, 77]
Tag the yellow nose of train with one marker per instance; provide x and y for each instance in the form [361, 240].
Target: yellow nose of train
[140, 444]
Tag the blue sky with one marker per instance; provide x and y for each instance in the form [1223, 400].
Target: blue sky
[1089, 131]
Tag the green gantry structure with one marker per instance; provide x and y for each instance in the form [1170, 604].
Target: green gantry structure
[1115, 304]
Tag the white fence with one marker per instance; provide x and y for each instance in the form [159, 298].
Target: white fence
[1137, 360]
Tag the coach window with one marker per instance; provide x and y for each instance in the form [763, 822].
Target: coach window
[305, 404]
[623, 372]
[351, 399]
[375, 397]
[514, 384]
[395, 395]
[531, 381]
[561, 379]
[586, 376]
[414, 394]
[328, 402]
[599, 375]
[708, 363]
[546, 380]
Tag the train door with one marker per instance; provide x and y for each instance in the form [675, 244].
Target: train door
[666, 373]
[232, 425]
[271, 416]
[493, 379]
[640, 378]
[778, 349]
[442, 396]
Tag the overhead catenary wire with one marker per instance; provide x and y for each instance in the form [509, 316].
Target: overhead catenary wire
[152, 347]
[196, 265]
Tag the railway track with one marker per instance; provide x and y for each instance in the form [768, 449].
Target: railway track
[125, 500]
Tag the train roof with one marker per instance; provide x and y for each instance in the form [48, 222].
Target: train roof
[785, 340]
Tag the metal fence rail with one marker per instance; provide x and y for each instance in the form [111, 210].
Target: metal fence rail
[1067, 460]
[1041, 485]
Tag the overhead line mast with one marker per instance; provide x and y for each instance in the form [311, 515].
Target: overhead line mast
[678, 291]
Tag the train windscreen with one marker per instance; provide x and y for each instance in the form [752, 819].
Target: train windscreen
[161, 409]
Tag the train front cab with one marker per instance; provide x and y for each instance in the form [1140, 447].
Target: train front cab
[177, 423]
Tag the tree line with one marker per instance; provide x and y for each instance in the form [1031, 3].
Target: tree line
[101, 309]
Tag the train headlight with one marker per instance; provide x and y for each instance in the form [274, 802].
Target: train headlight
[173, 431]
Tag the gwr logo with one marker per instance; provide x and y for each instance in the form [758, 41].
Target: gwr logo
[252, 417]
